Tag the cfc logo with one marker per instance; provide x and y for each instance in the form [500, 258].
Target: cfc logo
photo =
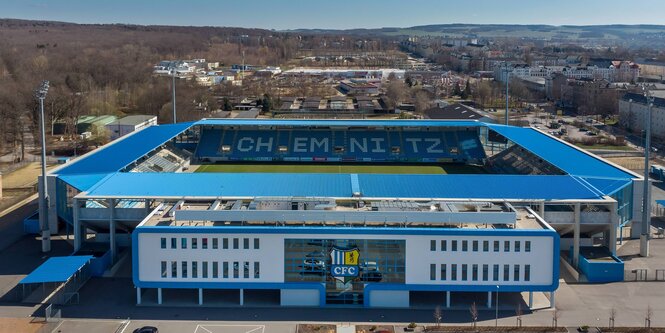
[344, 265]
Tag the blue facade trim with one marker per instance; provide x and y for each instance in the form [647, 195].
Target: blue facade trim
[323, 231]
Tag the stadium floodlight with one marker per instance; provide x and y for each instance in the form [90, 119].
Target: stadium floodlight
[646, 200]
[40, 94]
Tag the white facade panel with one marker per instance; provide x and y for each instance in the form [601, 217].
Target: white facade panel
[389, 298]
[300, 297]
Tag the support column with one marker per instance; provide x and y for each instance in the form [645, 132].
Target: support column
[147, 206]
[242, 297]
[138, 295]
[576, 236]
[448, 299]
[489, 299]
[200, 296]
[112, 244]
[541, 210]
[159, 296]
[552, 302]
[612, 239]
[530, 299]
[77, 226]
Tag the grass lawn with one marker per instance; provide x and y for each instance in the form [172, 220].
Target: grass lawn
[328, 168]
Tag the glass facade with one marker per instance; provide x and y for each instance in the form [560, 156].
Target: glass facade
[345, 266]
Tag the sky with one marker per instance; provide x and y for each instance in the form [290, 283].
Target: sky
[337, 14]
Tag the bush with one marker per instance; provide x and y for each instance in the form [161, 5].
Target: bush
[372, 329]
[412, 325]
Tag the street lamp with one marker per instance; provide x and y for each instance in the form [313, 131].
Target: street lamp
[507, 80]
[40, 94]
[646, 201]
[496, 306]
[173, 73]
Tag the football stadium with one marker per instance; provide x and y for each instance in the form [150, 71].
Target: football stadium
[368, 213]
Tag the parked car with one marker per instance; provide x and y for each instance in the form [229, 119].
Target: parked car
[146, 329]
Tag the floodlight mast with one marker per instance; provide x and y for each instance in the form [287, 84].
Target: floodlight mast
[173, 73]
[646, 199]
[507, 96]
[40, 94]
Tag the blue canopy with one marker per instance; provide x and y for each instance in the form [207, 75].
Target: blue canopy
[56, 269]
[660, 202]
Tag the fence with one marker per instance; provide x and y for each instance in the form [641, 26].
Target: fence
[644, 274]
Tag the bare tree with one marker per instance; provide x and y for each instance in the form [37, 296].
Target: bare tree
[438, 315]
[395, 93]
[421, 101]
[613, 314]
[647, 317]
[473, 310]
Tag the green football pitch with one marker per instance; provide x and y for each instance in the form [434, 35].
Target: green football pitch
[339, 168]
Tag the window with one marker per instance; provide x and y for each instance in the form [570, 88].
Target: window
[432, 272]
[204, 243]
[225, 269]
[236, 243]
[453, 272]
[496, 246]
[245, 270]
[215, 270]
[474, 272]
[486, 272]
[256, 243]
[195, 271]
[464, 272]
[236, 269]
[506, 246]
[465, 246]
[527, 246]
[453, 246]
[163, 242]
[516, 273]
[475, 246]
[432, 245]
[527, 272]
[443, 272]
[184, 269]
[444, 245]
[174, 243]
[174, 269]
[517, 246]
[486, 246]
[164, 266]
[256, 269]
[225, 243]
[195, 243]
[183, 243]
[204, 269]
[495, 272]
[506, 272]
[215, 243]
[245, 243]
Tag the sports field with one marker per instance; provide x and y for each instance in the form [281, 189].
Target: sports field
[339, 168]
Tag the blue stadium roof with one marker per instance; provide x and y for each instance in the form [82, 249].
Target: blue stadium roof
[342, 122]
[141, 185]
[56, 269]
[121, 153]
[571, 160]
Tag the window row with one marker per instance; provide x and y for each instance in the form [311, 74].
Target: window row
[196, 269]
[508, 246]
[475, 272]
[227, 243]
